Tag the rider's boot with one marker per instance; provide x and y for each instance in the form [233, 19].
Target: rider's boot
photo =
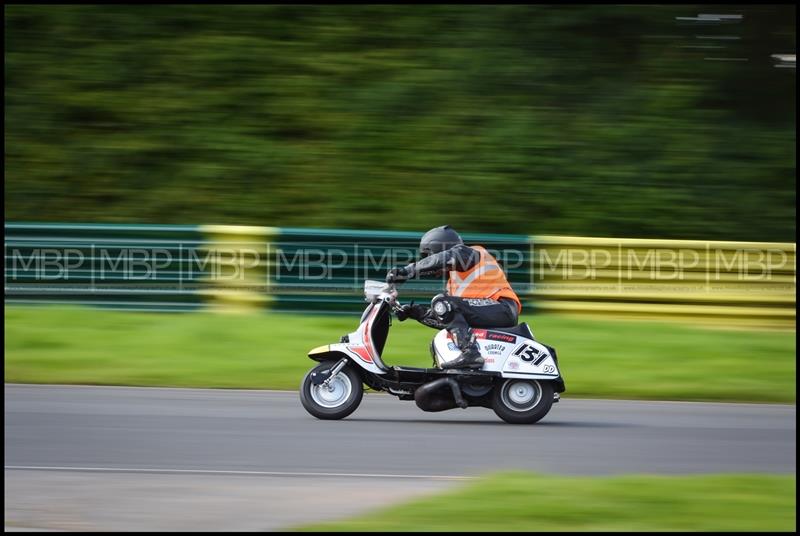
[470, 352]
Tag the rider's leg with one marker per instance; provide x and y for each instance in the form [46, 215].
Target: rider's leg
[462, 314]
[447, 310]
[465, 340]
[486, 313]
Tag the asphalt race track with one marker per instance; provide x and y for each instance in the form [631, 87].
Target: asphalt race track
[119, 446]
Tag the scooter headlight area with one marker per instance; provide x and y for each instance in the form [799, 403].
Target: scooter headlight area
[520, 378]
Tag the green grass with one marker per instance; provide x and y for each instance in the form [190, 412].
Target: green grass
[528, 502]
[613, 359]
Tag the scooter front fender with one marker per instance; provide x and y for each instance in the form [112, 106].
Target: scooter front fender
[355, 353]
[324, 353]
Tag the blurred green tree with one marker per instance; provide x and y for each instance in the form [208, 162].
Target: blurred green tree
[588, 120]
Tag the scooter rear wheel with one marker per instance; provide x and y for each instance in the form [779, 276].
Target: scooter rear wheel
[337, 400]
[519, 401]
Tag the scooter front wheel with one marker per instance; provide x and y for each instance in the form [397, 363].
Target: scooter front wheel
[336, 400]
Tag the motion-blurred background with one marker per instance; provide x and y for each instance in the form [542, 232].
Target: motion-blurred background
[626, 121]
[587, 142]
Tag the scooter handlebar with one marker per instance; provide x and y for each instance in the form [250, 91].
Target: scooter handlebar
[392, 291]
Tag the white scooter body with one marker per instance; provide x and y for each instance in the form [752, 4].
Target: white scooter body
[361, 345]
[513, 355]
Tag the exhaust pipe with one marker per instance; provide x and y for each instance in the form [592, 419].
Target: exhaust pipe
[428, 399]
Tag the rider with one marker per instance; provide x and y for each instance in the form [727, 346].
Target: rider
[478, 293]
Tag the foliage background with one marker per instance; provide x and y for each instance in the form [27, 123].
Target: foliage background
[591, 120]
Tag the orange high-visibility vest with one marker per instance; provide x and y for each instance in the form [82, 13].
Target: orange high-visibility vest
[484, 280]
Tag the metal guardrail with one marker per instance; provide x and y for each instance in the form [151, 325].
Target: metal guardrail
[140, 267]
[296, 269]
[712, 282]
[182, 268]
[155, 267]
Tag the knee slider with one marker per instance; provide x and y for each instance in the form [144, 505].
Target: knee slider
[442, 308]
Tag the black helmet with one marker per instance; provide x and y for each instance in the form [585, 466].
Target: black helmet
[438, 239]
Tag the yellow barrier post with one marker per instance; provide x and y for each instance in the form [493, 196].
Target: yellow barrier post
[239, 257]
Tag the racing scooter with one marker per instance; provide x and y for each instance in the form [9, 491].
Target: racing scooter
[520, 378]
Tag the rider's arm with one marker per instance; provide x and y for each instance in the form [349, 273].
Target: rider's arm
[422, 314]
[431, 320]
[460, 258]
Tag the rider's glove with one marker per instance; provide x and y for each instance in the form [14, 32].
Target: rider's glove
[412, 310]
[399, 275]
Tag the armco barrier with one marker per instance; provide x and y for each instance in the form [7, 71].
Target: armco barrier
[222, 267]
[141, 267]
[712, 282]
[229, 268]
[324, 270]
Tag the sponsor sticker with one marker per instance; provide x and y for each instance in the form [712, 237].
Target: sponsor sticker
[479, 302]
[495, 336]
[495, 349]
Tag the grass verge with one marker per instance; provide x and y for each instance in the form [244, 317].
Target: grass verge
[523, 502]
[606, 359]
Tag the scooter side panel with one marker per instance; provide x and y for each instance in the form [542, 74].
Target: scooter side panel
[529, 358]
[512, 355]
[359, 354]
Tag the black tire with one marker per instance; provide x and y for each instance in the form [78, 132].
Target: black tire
[527, 412]
[339, 408]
